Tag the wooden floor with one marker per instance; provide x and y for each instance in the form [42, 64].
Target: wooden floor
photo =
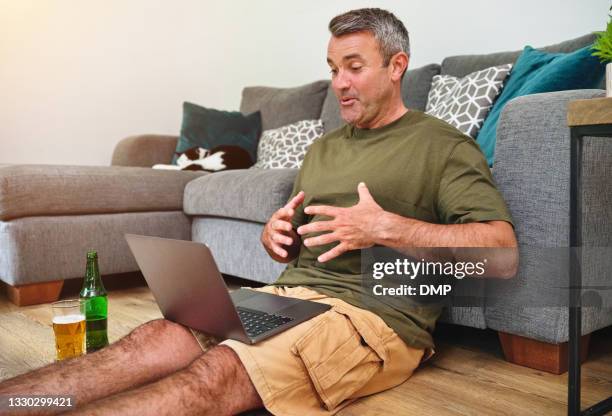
[467, 376]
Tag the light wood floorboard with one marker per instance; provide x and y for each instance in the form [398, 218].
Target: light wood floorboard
[467, 376]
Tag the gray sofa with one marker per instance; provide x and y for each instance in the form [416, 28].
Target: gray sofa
[50, 215]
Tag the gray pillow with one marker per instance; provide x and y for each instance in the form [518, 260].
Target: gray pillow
[282, 106]
[415, 88]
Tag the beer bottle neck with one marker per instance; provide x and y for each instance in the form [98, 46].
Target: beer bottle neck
[92, 276]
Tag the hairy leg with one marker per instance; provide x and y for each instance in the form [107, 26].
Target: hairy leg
[150, 352]
[214, 384]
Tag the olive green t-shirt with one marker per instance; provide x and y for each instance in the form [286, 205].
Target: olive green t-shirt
[417, 167]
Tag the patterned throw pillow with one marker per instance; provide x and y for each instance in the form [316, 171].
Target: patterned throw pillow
[285, 147]
[465, 102]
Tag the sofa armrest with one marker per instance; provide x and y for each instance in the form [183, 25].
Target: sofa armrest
[532, 156]
[532, 171]
[144, 150]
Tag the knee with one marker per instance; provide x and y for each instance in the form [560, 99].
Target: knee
[220, 377]
[158, 331]
[220, 360]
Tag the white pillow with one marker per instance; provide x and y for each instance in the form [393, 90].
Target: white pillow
[286, 146]
[465, 102]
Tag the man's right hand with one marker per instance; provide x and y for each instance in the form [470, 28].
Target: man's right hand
[278, 237]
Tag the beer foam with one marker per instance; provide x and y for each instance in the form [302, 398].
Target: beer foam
[68, 319]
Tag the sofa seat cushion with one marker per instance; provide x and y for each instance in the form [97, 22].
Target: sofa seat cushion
[32, 190]
[250, 194]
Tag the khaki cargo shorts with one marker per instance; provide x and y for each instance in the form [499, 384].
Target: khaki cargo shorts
[322, 365]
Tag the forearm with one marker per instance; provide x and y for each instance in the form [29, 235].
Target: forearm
[396, 231]
[460, 242]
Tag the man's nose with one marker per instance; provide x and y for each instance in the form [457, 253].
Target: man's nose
[341, 81]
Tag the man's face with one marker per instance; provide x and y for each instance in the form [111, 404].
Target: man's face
[361, 83]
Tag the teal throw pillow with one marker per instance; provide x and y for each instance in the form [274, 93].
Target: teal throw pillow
[208, 128]
[537, 72]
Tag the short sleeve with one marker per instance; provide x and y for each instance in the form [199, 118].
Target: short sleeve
[467, 192]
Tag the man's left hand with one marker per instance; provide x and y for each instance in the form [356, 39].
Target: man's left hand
[353, 227]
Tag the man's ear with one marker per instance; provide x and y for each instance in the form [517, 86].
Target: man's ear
[398, 65]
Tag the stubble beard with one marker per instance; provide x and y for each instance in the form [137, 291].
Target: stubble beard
[354, 115]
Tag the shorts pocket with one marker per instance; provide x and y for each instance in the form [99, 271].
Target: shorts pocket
[340, 354]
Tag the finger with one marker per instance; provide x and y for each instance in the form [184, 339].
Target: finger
[281, 225]
[316, 226]
[333, 253]
[322, 210]
[296, 200]
[278, 250]
[364, 192]
[282, 239]
[285, 213]
[321, 240]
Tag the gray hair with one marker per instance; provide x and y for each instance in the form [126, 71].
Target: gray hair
[387, 29]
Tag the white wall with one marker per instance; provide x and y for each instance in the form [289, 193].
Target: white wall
[76, 76]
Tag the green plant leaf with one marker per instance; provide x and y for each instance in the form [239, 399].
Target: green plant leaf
[602, 47]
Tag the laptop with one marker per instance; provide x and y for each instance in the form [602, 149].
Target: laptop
[190, 290]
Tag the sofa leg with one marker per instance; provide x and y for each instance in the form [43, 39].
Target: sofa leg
[35, 293]
[543, 356]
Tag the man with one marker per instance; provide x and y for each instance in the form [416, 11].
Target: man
[391, 177]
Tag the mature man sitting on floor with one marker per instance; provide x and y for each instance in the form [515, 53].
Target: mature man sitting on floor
[428, 185]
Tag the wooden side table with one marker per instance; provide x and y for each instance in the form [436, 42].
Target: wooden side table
[591, 118]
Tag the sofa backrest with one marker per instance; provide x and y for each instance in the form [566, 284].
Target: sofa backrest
[282, 106]
[461, 65]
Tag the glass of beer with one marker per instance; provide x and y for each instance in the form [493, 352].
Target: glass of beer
[69, 328]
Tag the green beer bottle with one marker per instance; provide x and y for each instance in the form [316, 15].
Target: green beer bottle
[96, 305]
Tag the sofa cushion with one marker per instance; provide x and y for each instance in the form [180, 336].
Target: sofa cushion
[415, 88]
[460, 66]
[416, 85]
[250, 194]
[29, 190]
[282, 106]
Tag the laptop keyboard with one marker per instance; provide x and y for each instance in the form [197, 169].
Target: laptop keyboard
[257, 322]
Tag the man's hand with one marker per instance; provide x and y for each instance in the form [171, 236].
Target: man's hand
[353, 227]
[278, 237]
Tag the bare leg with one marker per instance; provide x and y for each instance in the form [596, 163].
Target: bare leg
[214, 384]
[150, 352]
